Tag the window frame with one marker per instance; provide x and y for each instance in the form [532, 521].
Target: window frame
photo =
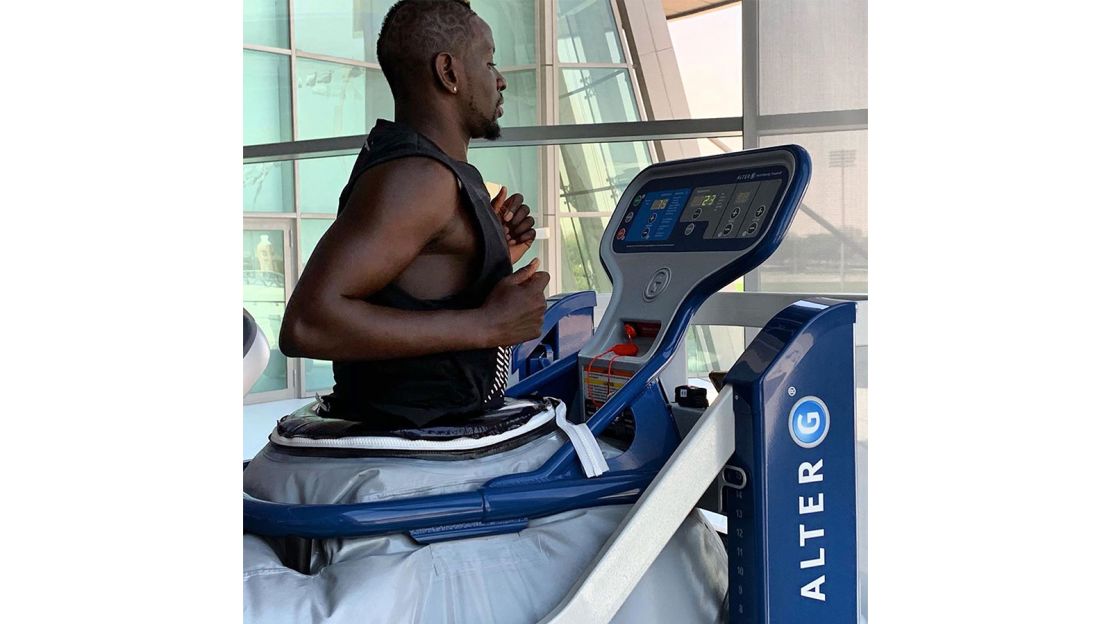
[285, 225]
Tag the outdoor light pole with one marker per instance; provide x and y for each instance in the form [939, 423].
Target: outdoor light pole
[842, 159]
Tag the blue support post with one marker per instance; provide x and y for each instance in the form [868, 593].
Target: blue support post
[790, 491]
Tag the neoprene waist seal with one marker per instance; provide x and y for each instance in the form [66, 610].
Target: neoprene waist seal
[441, 387]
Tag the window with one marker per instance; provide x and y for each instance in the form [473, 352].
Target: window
[265, 268]
[825, 250]
[267, 103]
[513, 23]
[345, 29]
[266, 23]
[339, 100]
[268, 187]
[596, 96]
[588, 32]
[322, 180]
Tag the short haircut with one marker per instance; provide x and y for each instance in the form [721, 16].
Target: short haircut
[414, 31]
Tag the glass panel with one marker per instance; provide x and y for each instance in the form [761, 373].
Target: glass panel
[311, 230]
[708, 49]
[597, 95]
[339, 100]
[318, 373]
[825, 250]
[812, 56]
[350, 28]
[712, 348]
[517, 168]
[266, 22]
[520, 100]
[690, 148]
[592, 176]
[537, 250]
[582, 270]
[267, 101]
[318, 376]
[588, 32]
[343, 28]
[322, 180]
[268, 187]
[264, 298]
[513, 23]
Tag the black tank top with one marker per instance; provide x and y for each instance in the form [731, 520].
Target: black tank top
[440, 387]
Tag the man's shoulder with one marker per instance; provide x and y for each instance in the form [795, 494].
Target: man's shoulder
[416, 172]
[406, 187]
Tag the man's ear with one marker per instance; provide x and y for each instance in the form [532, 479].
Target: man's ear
[445, 71]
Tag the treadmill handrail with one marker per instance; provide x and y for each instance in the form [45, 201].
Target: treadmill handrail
[559, 307]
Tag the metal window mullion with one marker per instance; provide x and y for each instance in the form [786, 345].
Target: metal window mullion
[749, 79]
[515, 68]
[587, 65]
[338, 60]
[621, 40]
[287, 216]
[813, 122]
[261, 48]
[563, 134]
[547, 71]
[749, 70]
[293, 86]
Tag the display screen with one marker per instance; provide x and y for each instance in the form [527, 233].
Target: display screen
[716, 211]
[657, 219]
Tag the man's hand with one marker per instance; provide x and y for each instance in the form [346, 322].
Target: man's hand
[520, 232]
[515, 307]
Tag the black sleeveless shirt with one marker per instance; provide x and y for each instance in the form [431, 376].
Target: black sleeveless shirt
[440, 387]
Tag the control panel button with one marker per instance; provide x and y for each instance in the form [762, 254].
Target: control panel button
[689, 229]
[752, 228]
[657, 283]
[759, 211]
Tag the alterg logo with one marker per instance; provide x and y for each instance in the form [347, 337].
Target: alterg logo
[809, 422]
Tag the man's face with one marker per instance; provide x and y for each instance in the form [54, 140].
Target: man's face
[484, 101]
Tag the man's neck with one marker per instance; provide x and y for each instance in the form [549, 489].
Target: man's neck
[448, 136]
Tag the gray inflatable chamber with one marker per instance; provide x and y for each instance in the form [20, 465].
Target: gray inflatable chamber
[513, 578]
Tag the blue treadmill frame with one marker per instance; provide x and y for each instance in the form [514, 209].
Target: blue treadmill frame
[504, 504]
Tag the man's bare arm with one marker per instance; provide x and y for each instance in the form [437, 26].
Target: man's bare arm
[394, 212]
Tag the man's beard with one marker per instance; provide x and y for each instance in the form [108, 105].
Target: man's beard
[492, 130]
[489, 128]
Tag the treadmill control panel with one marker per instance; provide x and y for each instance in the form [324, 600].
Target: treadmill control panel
[719, 211]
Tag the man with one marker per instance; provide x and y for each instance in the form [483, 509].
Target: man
[411, 292]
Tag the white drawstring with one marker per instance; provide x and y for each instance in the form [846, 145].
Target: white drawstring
[585, 445]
